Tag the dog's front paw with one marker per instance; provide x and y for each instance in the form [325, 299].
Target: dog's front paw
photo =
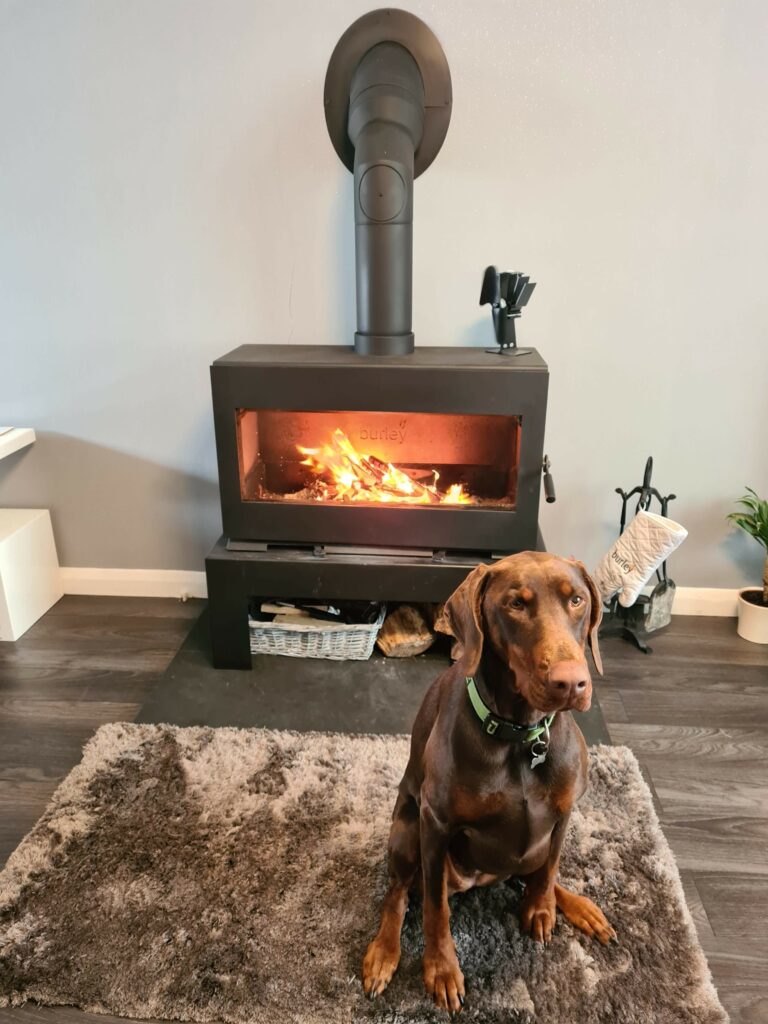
[380, 963]
[444, 981]
[537, 914]
[583, 914]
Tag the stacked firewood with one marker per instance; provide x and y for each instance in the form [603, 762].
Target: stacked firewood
[408, 630]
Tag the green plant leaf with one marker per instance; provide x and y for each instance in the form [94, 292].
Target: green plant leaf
[752, 517]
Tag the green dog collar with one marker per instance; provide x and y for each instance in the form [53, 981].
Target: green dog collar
[502, 728]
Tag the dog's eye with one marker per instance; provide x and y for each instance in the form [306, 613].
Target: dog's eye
[576, 600]
[517, 603]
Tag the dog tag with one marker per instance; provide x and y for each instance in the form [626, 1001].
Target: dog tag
[539, 751]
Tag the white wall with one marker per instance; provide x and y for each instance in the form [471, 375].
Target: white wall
[168, 191]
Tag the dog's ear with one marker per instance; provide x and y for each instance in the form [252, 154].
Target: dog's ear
[461, 617]
[595, 616]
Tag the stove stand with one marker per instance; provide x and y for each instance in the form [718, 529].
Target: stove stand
[234, 577]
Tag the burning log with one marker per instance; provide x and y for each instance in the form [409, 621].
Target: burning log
[375, 467]
[349, 475]
[399, 482]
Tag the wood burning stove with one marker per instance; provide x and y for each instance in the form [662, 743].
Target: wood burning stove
[379, 472]
[441, 449]
[377, 478]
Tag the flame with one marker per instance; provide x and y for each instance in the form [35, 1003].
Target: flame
[348, 475]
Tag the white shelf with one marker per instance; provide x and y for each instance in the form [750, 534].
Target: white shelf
[14, 438]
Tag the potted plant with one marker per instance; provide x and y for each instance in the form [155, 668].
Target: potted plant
[753, 602]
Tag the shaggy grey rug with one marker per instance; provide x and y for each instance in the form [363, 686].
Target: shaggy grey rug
[235, 875]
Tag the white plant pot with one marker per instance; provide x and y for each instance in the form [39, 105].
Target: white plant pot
[753, 618]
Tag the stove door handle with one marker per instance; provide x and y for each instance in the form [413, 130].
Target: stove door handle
[549, 483]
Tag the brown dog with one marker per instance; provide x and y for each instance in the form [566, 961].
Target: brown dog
[493, 774]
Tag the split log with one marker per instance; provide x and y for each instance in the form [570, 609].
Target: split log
[405, 633]
[418, 491]
[270, 608]
[297, 618]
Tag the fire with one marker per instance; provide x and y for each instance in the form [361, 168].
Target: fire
[349, 475]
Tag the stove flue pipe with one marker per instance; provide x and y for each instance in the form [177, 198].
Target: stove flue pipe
[386, 123]
[387, 108]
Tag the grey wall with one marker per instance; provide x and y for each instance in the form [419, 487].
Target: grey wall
[168, 191]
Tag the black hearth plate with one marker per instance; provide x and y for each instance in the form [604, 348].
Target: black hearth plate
[381, 695]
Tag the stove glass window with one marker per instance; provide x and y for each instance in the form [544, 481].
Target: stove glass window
[443, 460]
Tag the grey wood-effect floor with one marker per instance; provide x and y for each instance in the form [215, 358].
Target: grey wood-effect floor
[695, 713]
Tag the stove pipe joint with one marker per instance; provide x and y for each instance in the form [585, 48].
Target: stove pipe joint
[385, 125]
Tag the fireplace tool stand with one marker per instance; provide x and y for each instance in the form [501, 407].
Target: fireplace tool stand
[650, 612]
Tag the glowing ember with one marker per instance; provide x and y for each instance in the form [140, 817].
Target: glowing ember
[348, 475]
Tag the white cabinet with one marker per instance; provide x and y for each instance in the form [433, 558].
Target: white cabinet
[30, 581]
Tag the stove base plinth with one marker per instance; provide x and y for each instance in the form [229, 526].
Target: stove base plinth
[234, 577]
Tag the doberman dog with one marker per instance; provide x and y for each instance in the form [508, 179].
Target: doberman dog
[496, 763]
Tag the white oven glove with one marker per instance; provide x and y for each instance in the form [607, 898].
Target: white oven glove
[645, 544]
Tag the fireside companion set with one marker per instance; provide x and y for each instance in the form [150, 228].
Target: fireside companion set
[379, 472]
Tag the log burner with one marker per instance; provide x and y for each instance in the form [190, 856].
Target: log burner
[378, 471]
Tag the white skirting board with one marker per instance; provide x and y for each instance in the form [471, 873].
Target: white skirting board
[706, 601]
[182, 583]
